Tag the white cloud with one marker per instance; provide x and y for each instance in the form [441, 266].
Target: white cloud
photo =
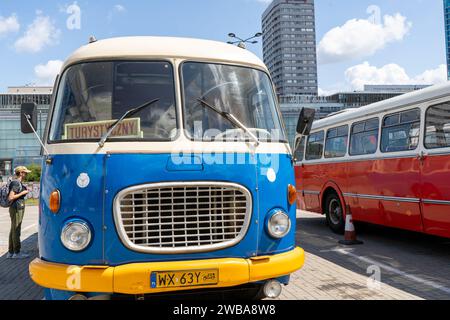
[362, 74]
[359, 38]
[339, 87]
[46, 73]
[434, 76]
[119, 8]
[42, 32]
[116, 10]
[9, 25]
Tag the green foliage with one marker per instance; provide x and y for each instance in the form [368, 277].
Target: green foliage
[35, 175]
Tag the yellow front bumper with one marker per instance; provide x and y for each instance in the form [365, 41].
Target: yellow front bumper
[135, 278]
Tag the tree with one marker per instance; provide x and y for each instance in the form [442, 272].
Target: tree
[35, 175]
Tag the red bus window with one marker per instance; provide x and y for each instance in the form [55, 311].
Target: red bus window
[364, 137]
[314, 148]
[337, 142]
[401, 131]
[438, 126]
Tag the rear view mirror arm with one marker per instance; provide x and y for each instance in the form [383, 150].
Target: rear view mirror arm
[28, 118]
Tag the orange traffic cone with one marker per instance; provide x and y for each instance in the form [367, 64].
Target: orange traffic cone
[350, 233]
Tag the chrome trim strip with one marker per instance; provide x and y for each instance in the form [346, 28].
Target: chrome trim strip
[194, 249]
[348, 159]
[431, 153]
[311, 192]
[372, 197]
[440, 202]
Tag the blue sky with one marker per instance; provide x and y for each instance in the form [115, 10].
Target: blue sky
[407, 46]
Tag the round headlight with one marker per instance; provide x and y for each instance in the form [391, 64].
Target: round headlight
[279, 224]
[76, 235]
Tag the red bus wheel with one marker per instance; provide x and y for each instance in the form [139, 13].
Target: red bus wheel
[335, 213]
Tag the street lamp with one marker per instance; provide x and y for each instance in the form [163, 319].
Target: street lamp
[241, 42]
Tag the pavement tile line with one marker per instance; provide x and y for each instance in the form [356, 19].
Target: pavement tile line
[394, 270]
[321, 279]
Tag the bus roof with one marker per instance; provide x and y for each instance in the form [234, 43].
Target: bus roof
[408, 99]
[164, 47]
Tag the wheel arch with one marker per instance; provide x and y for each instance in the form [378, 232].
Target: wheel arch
[329, 188]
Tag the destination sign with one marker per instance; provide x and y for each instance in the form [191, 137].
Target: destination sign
[128, 128]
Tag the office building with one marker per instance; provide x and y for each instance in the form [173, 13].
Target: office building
[289, 46]
[371, 94]
[16, 148]
[291, 105]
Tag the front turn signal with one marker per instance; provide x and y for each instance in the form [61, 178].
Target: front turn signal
[55, 201]
[292, 194]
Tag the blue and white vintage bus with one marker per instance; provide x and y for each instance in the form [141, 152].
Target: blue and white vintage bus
[166, 169]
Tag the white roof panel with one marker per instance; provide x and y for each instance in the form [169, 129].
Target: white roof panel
[164, 47]
[413, 98]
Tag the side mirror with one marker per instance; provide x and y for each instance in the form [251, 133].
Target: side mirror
[28, 114]
[305, 121]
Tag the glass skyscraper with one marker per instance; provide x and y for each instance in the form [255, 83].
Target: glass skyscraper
[447, 33]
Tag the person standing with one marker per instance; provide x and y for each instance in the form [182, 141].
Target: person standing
[17, 194]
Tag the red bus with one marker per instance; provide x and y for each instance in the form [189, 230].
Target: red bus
[389, 161]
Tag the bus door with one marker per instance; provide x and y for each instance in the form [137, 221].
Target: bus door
[399, 171]
[435, 160]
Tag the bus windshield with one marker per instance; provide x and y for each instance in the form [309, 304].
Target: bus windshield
[245, 93]
[93, 96]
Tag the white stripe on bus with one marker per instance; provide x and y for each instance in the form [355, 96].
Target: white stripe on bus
[178, 147]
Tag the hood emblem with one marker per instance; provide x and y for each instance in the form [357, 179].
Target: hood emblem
[83, 181]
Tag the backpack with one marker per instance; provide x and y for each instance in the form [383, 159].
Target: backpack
[4, 194]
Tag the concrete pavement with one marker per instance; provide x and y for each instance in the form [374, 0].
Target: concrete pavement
[408, 265]
[15, 283]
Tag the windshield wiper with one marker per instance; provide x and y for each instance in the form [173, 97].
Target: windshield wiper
[127, 114]
[231, 118]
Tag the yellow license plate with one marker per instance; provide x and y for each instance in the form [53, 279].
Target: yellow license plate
[190, 278]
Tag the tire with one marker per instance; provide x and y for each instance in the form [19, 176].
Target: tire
[335, 213]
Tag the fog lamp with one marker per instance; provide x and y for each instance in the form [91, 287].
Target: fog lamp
[272, 289]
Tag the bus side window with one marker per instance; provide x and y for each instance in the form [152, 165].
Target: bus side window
[401, 131]
[438, 126]
[300, 152]
[364, 137]
[314, 148]
[336, 143]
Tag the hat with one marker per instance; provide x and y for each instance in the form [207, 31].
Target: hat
[21, 169]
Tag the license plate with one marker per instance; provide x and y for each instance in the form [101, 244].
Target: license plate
[178, 279]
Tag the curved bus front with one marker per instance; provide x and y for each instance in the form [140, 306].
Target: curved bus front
[163, 210]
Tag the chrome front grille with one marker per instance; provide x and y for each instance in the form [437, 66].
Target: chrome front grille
[182, 217]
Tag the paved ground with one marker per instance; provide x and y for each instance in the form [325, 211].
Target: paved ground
[409, 265]
[15, 283]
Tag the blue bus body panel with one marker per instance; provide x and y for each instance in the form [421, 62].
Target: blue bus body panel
[274, 195]
[85, 203]
[109, 174]
[125, 170]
